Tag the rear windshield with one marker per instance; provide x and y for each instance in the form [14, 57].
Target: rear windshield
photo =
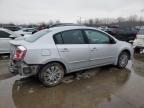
[37, 35]
[141, 32]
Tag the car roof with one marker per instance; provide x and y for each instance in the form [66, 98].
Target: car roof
[64, 28]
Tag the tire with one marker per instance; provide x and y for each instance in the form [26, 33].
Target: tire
[123, 59]
[52, 74]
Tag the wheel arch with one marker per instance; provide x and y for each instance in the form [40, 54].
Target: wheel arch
[127, 51]
[55, 61]
[123, 50]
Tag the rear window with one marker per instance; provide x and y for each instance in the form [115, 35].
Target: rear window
[37, 35]
[141, 32]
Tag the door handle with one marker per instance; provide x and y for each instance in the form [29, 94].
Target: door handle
[93, 49]
[64, 50]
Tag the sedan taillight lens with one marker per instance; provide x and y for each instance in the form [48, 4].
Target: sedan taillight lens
[20, 53]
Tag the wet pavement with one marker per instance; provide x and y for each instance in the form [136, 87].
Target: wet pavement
[105, 87]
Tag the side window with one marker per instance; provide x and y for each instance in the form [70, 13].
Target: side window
[58, 38]
[73, 37]
[4, 34]
[96, 37]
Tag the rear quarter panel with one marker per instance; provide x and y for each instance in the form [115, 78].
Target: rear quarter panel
[41, 51]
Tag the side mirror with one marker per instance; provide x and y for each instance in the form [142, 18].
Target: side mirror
[112, 41]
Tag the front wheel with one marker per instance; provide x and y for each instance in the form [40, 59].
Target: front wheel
[51, 74]
[123, 60]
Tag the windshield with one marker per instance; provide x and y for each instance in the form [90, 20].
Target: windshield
[37, 35]
[141, 32]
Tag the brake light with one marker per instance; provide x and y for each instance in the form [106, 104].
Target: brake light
[20, 53]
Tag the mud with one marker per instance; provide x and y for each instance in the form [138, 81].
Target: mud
[105, 87]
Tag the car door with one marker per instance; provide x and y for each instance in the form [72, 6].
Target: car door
[73, 49]
[102, 47]
[4, 42]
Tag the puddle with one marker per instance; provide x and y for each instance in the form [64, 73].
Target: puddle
[100, 87]
[4, 57]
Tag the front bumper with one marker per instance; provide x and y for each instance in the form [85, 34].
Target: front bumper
[22, 68]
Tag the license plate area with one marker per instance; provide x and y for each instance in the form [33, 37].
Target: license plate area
[12, 51]
[12, 66]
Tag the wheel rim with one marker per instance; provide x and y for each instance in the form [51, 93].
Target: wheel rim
[53, 74]
[123, 60]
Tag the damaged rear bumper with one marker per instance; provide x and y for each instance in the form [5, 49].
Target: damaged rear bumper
[22, 68]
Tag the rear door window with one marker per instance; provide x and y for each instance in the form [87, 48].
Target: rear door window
[58, 38]
[73, 37]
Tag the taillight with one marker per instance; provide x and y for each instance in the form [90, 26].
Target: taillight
[20, 53]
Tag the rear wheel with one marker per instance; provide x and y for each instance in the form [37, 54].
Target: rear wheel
[51, 74]
[123, 59]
